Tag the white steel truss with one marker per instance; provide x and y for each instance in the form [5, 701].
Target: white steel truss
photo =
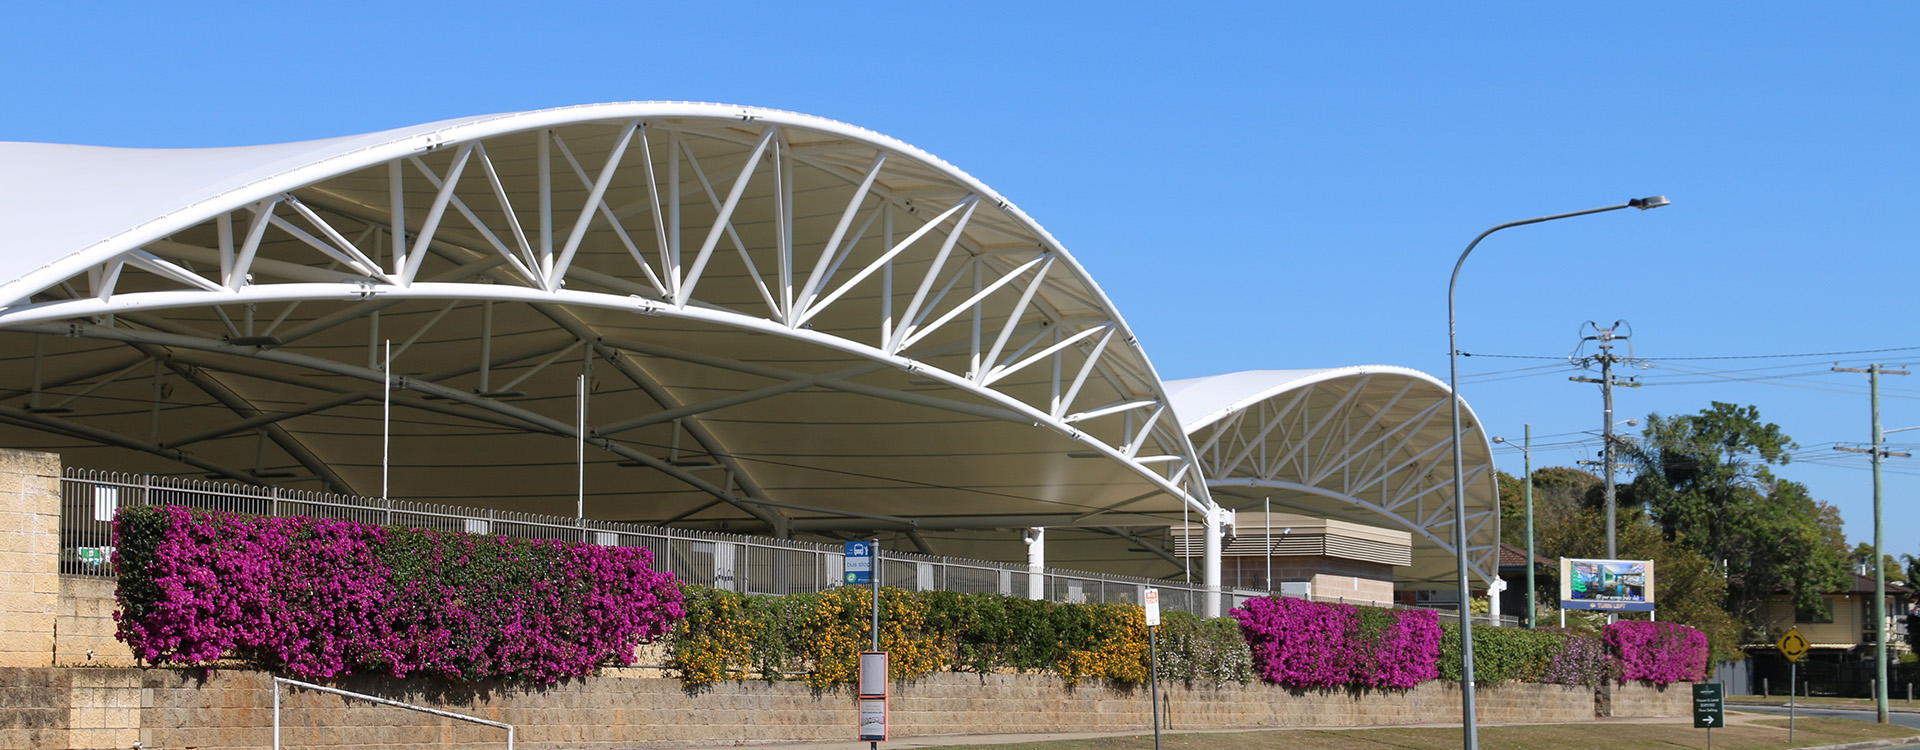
[604, 219]
[1369, 441]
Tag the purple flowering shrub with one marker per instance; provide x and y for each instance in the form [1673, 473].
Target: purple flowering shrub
[327, 598]
[1580, 660]
[1658, 652]
[1299, 643]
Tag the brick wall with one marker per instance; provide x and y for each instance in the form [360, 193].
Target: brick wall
[29, 556]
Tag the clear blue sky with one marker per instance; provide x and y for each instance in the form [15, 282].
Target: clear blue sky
[1274, 185]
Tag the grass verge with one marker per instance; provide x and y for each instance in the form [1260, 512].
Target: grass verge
[1899, 701]
[1809, 733]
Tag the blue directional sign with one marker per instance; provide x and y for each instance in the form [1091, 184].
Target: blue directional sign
[859, 563]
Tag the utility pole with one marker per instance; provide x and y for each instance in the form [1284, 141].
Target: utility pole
[1606, 358]
[1878, 452]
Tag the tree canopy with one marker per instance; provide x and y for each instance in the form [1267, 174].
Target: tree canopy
[1725, 532]
[1706, 479]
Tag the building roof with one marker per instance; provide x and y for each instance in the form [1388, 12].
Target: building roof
[781, 324]
[1862, 584]
[1516, 557]
[1366, 444]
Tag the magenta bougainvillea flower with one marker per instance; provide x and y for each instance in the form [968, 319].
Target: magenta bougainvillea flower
[327, 598]
[1658, 652]
[1299, 643]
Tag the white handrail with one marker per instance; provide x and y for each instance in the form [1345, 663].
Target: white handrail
[278, 681]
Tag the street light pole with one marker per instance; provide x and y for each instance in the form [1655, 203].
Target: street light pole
[1526, 452]
[1470, 731]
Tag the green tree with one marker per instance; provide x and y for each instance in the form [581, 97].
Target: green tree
[1557, 492]
[1688, 588]
[1862, 559]
[1706, 480]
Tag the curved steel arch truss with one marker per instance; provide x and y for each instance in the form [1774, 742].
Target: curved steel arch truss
[739, 286]
[1364, 444]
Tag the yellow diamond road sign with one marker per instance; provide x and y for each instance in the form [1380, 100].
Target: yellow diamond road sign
[1793, 645]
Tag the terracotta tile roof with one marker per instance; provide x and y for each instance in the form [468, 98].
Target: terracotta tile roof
[1861, 584]
[1516, 557]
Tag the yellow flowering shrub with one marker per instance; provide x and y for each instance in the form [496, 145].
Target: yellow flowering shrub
[818, 637]
[1114, 646]
[715, 641]
[839, 626]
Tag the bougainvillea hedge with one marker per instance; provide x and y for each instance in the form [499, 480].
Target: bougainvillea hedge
[1299, 643]
[1513, 655]
[326, 598]
[1658, 652]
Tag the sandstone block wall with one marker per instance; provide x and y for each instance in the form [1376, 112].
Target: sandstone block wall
[56, 709]
[84, 625]
[29, 556]
[177, 708]
[1648, 700]
[33, 708]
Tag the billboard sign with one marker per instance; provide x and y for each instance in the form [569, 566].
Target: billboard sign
[1608, 585]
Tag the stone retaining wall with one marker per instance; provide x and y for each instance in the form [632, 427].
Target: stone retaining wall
[29, 556]
[55, 708]
[84, 625]
[1648, 700]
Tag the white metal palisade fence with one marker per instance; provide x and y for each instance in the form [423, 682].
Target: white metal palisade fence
[755, 565]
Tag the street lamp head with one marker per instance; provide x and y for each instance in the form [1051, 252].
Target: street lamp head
[1499, 439]
[1648, 202]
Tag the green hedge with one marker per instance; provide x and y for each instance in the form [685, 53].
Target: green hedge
[817, 637]
[1500, 654]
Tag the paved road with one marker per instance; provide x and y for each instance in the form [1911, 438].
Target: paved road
[1903, 718]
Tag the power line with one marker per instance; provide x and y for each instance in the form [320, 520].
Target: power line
[1730, 356]
[1809, 354]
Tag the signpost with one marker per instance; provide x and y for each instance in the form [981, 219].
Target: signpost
[1709, 709]
[873, 697]
[1793, 645]
[1151, 598]
[862, 566]
[859, 563]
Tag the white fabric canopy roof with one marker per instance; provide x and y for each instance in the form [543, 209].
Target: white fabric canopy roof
[789, 325]
[1366, 444]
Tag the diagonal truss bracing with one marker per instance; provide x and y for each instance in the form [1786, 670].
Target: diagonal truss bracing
[801, 230]
[1370, 440]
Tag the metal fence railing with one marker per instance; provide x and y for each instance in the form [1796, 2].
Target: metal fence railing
[734, 562]
[756, 565]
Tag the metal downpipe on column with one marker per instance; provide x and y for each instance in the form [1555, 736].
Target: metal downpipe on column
[1036, 538]
[1217, 520]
